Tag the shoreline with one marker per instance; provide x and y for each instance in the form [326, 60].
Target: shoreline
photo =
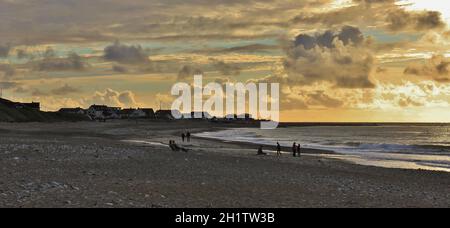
[87, 165]
[287, 150]
[413, 160]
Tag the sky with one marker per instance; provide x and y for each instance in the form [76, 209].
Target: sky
[335, 60]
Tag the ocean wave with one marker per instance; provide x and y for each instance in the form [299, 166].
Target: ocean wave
[380, 146]
[384, 147]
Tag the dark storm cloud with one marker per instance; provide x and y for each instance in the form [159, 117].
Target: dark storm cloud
[348, 35]
[72, 63]
[122, 53]
[339, 57]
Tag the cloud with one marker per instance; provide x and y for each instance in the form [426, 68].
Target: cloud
[8, 85]
[39, 93]
[401, 19]
[56, 21]
[4, 50]
[7, 71]
[409, 102]
[72, 63]
[120, 69]
[22, 54]
[348, 35]
[64, 90]
[127, 99]
[382, 14]
[114, 98]
[438, 68]
[187, 72]
[340, 57]
[319, 98]
[355, 14]
[226, 69]
[125, 54]
[250, 48]
[426, 93]
[21, 90]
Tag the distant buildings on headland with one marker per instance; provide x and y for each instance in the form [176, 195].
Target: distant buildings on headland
[103, 112]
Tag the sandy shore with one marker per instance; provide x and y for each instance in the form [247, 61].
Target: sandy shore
[110, 165]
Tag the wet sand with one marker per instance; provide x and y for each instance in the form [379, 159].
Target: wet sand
[112, 165]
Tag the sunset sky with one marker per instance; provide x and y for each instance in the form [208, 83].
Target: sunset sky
[336, 60]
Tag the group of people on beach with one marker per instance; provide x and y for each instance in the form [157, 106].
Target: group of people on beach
[296, 150]
[174, 147]
[186, 136]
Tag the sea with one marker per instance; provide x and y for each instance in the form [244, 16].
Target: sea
[405, 146]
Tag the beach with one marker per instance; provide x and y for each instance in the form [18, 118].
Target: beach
[128, 164]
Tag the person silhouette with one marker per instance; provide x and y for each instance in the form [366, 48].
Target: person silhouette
[278, 149]
[188, 136]
[294, 149]
[260, 151]
[183, 136]
[299, 148]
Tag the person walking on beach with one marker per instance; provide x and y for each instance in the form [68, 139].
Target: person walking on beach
[183, 136]
[294, 149]
[299, 148]
[188, 136]
[278, 149]
[260, 151]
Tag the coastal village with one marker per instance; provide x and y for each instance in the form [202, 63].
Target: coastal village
[104, 112]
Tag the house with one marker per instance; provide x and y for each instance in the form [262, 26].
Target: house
[96, 111]
[139, 113]
[103, 112]
[149, 113]
[231, 117]
[78, 111]
[245, 116]
[167, 114]
[204, 115]
[126, 113]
